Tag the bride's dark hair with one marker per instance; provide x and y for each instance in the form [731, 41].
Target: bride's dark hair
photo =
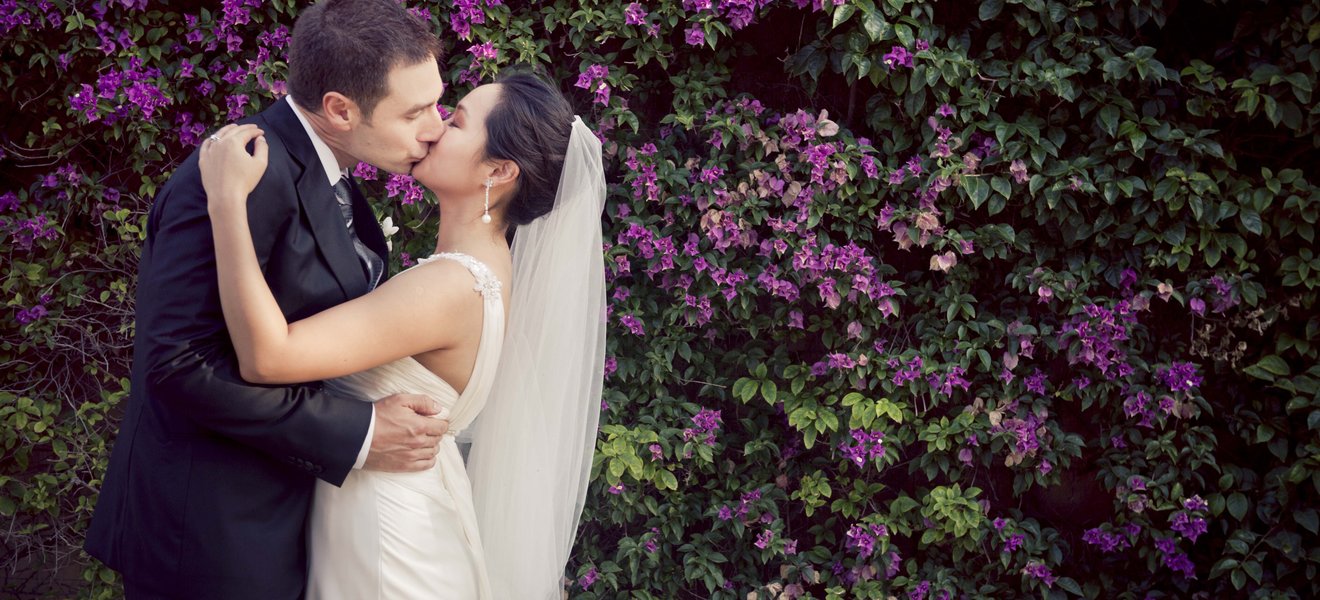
[530, 126]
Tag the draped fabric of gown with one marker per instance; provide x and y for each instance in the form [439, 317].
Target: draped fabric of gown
[410, 535]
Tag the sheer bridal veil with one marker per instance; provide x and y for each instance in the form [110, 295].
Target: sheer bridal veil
[534, 442]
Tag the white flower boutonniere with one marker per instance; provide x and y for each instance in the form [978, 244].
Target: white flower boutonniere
[388, 228]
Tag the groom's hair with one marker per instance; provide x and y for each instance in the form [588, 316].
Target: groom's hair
[350, 46]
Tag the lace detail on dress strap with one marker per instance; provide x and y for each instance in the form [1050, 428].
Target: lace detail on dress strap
[488, 285]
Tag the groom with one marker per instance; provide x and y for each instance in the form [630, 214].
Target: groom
[211, 478]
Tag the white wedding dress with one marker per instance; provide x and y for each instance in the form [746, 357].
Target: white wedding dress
[410, 535]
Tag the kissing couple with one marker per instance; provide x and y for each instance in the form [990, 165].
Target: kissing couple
[291, 430]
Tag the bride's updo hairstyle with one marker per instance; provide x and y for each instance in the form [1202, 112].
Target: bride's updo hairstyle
[530, 126]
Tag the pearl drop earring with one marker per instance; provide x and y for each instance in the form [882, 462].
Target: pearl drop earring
[485, 217]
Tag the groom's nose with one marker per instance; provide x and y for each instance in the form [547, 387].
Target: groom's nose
[432, 129]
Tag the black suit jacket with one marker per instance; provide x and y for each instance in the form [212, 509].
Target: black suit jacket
[211, 477]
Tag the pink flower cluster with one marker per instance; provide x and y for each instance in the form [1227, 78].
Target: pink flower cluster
[467, 13]
[863, 446]
[593, 79]
[862, 537]
[725, 513]
[705, 423]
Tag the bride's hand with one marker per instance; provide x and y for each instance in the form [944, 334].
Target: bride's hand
[229, 173]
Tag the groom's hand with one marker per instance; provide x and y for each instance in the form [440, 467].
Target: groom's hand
[407, 436]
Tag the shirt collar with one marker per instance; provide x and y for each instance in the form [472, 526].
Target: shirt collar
[327, 156]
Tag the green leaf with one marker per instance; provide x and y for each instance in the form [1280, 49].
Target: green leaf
[1212, 255]
[769, 391]
[1308, 519]
[1275, 365]
[843, 13]
[1237, 505]
[990, 9]
[904, 34]
[1109, 119]
[1137, 139]
[1226, 564]
[977, 190]
[1250, 220]
[634, 464]
[744, 389]
[1002, 186]
[668, 480]
[1239, 578]
[1253, 569]
[874, 26]
[1037, 182]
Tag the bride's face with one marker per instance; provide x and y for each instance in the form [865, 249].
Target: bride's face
[456, 165]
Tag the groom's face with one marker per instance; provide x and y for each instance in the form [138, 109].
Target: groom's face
[405, 123]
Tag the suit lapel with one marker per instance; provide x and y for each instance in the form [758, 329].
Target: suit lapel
[319, 204]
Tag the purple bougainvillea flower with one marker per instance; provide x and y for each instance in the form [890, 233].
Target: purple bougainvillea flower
[588, 578]
[1019, 171]
[1039, 571]
[1180, 376]
[898, 56]
[694, 35]
[634, 14]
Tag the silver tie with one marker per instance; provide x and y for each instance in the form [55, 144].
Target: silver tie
[371, 262]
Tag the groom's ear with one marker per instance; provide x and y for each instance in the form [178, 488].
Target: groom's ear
[340, 111]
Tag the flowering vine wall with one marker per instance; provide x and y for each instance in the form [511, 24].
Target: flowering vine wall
[996, 298]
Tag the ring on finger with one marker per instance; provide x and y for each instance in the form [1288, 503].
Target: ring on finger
[213, 137]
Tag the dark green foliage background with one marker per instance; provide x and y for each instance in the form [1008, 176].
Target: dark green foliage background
[1173, 139]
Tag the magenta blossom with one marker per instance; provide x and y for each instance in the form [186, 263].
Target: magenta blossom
[694, 35]
[634, 14]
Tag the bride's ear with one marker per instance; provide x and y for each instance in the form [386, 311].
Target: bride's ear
[504, 172]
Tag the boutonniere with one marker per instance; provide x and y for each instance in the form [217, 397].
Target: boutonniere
[387, 227]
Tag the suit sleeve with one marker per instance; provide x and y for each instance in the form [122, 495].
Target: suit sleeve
[192, 364]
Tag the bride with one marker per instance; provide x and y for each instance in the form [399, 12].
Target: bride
[513, 157]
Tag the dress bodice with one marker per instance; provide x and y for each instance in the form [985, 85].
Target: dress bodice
[413, 530]
[406, 375]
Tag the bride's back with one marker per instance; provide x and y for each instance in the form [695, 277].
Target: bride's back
[454, 363]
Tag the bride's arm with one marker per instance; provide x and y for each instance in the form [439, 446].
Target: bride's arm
[420, 310]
